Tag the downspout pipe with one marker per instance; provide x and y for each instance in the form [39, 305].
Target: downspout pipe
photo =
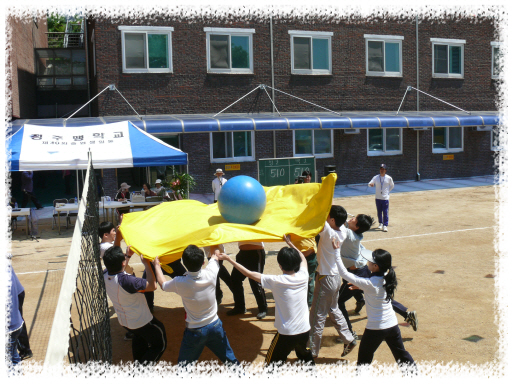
[418, 177]
[272, 80]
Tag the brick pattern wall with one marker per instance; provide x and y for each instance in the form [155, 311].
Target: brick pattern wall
[190, 89]
[26, 34]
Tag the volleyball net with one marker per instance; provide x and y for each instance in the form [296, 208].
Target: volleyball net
[81, 326]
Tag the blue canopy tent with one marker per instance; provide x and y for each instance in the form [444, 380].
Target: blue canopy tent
[116, 145]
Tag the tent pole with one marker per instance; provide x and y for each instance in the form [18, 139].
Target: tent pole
[77, 187]
[188, 185]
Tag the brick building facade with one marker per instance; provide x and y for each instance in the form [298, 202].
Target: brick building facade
[25, 35]
[191, 89]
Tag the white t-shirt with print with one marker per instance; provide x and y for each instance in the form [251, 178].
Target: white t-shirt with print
[290, 294]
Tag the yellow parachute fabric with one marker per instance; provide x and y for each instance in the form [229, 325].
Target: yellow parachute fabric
[168, 228]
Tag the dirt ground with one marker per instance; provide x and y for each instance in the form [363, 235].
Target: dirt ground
[442, 247]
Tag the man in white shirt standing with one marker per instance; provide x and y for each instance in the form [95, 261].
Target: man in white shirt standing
[290, 293]
[217, 184]
[197, 291]
[383, 185]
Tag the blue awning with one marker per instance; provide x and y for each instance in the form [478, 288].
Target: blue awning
[193, 123]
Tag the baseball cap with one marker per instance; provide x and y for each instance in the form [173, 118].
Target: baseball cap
[383, 166]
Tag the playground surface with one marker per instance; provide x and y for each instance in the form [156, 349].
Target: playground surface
[442, 246]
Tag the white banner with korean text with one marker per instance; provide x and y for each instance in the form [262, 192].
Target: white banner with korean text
[60, 148]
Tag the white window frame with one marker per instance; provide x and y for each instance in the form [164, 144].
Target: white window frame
[494, 44]
[384, 39]
[312, 35]
[240, 159]
[495, 131]
[319, 156]
[384, 152]
[230, 32]
[449, 43]
[448, 150]
[146, 30]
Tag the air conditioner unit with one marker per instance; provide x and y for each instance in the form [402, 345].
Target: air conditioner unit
[481, 128]
[421, 128]
[351, 131]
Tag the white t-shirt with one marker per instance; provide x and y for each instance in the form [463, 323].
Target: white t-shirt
[378, 310]
[326, 255]
[104, 247]
[197, 291]
[383, 185]
[290, 294]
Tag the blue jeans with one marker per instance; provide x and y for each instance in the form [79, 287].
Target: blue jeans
[212, 336]
[11, 348]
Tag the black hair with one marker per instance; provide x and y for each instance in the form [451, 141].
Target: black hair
[193, 258]
[105, 227]
[289, 259]
[306, 173]
[147, 185]
[364, 222]
[113, 259]
[383, 260]
[339, 215]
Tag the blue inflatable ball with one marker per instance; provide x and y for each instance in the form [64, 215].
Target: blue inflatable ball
[242, 200]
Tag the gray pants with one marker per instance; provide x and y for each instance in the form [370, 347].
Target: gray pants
[325, 302]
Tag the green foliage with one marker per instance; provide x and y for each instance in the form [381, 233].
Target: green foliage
[56, 23]
[179, 182]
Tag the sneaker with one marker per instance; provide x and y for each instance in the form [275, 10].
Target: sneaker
[261, 315]
[380, 226]
[412, 319]
[236, 311]
[359, 306]
[385, 229]
[128, 336]
[348, 348]
[26, 355]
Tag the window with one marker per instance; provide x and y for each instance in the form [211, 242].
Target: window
[448, 139]
[228, 146]
[496, 62]
[229, 50]
[448, 58]
[383, 55]
[495, 139]
[384, 141]
[311, 142]
[311, 52]
[146, 49]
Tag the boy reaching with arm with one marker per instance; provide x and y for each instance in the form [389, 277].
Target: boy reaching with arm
[290, 294]
[197, 290]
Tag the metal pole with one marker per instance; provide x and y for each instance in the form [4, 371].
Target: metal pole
[272, 77]
[417, 100]
[87, 103]
[237, 100]
[316, 105]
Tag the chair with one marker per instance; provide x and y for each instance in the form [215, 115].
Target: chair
[57, 214]
[71, 214]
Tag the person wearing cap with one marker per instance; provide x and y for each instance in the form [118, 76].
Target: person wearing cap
[217, 184]
[383, 185]
[160, 190]
[379, 289]
[122, 195]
